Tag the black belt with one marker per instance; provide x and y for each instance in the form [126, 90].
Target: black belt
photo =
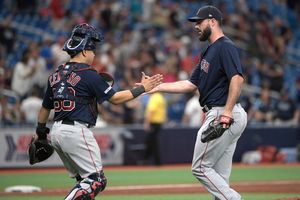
[72, 122]
[206, 108]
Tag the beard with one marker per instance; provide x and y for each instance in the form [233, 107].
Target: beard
[205, 34]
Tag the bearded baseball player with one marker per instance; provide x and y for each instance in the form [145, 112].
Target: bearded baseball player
[218, 78]
[73, 91]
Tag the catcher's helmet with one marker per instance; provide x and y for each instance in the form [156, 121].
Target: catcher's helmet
[84, 37]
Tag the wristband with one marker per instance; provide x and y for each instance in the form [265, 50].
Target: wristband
[137, 91]
[42, 131]
[41, 125]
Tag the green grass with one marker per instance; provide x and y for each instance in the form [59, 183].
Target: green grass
[246, 196]
[270, 173]
[150, 176]
[51, 180]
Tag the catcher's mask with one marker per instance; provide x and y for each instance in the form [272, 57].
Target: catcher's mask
[84, 37]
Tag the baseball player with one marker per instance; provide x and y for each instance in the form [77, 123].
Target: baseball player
[218, 78]
[73, 91]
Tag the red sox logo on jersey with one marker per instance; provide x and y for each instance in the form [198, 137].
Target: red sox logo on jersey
[204, 65]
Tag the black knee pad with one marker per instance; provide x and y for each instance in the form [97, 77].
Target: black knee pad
[101, 179]
[78, 178]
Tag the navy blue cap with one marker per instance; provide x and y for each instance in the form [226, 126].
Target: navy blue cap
[207, 12]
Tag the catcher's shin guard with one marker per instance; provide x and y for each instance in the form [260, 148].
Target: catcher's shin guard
[88, 188]
[97, 183]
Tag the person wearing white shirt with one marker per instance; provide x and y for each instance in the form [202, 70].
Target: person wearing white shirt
[30, 106]
[193, 114]
[22, 76]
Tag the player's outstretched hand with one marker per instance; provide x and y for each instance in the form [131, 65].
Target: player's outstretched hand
[151, 82]
[144, 76]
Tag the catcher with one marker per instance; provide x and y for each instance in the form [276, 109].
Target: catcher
[73, 91]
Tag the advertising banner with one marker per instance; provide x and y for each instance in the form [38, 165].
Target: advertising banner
[14, 147]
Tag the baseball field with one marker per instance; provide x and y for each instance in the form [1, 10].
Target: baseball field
[170, 182]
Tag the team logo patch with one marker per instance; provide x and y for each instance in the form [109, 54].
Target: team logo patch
[204, 65]
[107, 90]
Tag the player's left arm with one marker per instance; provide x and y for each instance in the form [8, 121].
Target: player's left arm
[234, 92]
[230, 59]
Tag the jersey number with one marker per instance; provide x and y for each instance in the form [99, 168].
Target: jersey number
[65, 105]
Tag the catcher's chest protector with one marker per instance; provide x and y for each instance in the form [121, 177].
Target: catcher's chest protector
[62, 89]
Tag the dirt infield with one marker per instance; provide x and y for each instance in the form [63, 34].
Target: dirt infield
[243, 187]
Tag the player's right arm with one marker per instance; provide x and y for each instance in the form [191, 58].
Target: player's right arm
[147, 84]
[43, 115]
[47, 105]
[184, 86]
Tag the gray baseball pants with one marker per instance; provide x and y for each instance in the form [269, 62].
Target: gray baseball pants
[212, 161]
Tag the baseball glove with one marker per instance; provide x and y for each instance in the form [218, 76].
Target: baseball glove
[216, 128]
[39, 150]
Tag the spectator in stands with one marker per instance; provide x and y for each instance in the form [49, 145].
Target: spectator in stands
[10, 114]
[106, 15]
[129, 115]
[26, 7]
[46, 53]
[286, 112]
[298, 92]
[267, 33]
[258, 75]
[176, 105]
[170, 69]
[297, 100]
[37, 62]
[59, 56]
[5, 75]
[22, 75]
[246, 100]
[2, 77]
[263, 109]
[193, 115]
[7, 36]
[275, 74]
[155, 117]
[31, 105]
[111, 114]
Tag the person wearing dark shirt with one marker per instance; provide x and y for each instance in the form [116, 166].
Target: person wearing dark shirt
[218, 78]
[73, 91]
[262, 110]
[286, 112]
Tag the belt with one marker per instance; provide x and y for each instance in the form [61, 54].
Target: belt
[206, 108]
[72, 122]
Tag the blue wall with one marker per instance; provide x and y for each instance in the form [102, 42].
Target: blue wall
[177, 144]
